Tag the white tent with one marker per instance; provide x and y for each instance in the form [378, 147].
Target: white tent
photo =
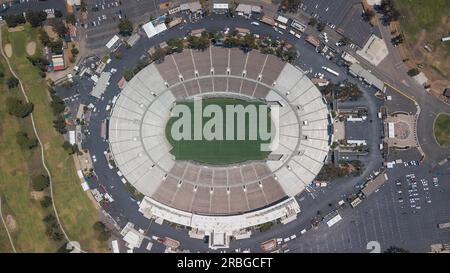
[152, 30]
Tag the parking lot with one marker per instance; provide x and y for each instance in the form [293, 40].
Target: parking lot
[348, 23]
[405, 213]
[104, 16]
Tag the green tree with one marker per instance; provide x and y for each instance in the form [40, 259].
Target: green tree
[25, 142]
[396, 249]
[13, 20]
[56, 46]
[312, 21]
[74, 51]
[18, 108]
[413, 72]
[60, 125]
[43, 36]
[83, 6]
[321, 26]
[40, 182]
[12, 82]
[59, 27]
[104, 236]
[99, 226]
[46, 202]
[128, 74]
[58, 14]
[125, 27]
[70, 148]
[71, 19]
[36, 18]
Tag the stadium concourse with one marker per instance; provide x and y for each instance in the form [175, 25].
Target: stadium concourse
[219, 201]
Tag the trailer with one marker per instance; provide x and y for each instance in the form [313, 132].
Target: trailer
[444, 225]
[331, 71]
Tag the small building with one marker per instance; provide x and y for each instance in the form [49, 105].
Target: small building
[72, 137]
[58, 62]
[72, 31]
[298, 25]
[101, 85]
[174, 10]
[374, 184]
[247, 10]
[356, 70]
[282, 20]
[50, 13]
[220, 8]
[197, 32]
[163, 45]
[267, 20]
[244, 10]
[349, 58]
[152, 30]
[256, 9]
[313, 40]
[133, 39]
[174, 22]
[131, 236]
[243, 31]
[193, 7]
[113, 42]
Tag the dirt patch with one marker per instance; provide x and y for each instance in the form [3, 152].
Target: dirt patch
[16, 29]
[37, 195]
[50, 32]
[8, 50]
[11, 223]
[31, 48]
[434, 61]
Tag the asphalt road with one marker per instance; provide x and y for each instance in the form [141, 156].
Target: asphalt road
[124, 209]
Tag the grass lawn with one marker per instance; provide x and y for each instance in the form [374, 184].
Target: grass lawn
[217, 152]
[442, 130]
[15, 173]
[76, 210]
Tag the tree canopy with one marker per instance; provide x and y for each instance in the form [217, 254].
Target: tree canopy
[125, 27]
[18, 108]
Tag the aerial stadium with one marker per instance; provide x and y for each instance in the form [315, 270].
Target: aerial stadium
[219, 188]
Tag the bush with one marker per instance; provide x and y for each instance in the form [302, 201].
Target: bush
[57, 104]
[104, 236]
[71, 19]
[13, 20]
[72, 149]
[312, 21]
[18, 108]
[320, 26]
[40, 182]
[39, 62]
[128, 74]
[35, 18]
[60, 125]
[12, 82]
[25, 142]
[413, 72]
[125, 27]
[99, 226]
[46, 202]
[74, 51]
[52, 228]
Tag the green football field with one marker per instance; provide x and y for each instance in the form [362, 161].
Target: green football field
[218, 152]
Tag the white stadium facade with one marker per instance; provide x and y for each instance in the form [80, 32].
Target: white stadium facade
[219, 201]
